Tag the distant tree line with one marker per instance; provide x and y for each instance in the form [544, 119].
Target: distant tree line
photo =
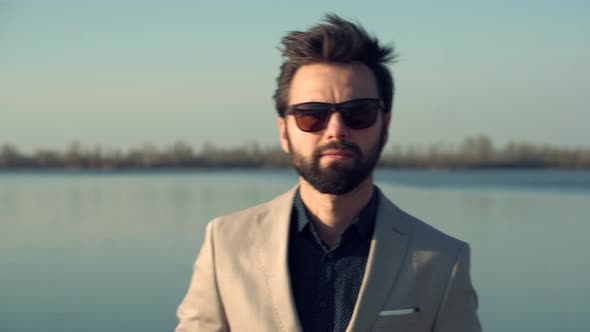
[474, 152]
[479, 152]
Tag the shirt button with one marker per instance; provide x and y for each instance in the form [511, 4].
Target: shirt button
[330, 255]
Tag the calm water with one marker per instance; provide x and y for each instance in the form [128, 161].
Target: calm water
[113, 252]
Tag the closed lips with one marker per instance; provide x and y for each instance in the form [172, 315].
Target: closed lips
[344, 153]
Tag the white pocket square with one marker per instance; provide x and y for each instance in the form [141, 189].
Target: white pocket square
[395, 312]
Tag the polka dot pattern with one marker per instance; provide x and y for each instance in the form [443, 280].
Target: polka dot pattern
[325, 282]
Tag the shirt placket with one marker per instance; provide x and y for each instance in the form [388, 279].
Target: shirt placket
[325, 316]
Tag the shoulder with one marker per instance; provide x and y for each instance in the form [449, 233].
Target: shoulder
[426, 236]
[237, 224]
[430, 253]
[424, 239]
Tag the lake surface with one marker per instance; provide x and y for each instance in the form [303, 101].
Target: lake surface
[113, 252]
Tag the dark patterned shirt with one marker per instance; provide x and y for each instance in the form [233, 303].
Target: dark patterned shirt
[326, 282]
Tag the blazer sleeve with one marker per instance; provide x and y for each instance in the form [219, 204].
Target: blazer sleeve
[202, 309]
[458, 309]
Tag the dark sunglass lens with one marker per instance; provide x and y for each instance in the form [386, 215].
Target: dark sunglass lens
[360, 118]
[360, 115]
[311, 121]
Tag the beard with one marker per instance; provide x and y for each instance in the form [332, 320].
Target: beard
[337, 178]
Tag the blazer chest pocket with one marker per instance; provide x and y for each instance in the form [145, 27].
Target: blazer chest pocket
[393, 318]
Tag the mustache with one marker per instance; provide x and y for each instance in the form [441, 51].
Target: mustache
[339, 145]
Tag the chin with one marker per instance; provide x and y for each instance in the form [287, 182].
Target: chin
[339, 163]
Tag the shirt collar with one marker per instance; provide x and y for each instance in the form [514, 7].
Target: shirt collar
[363, 223]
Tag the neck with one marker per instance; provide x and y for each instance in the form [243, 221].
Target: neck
[331, 214]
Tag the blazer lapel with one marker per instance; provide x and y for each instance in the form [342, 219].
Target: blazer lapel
[273, 258]
[388, 251]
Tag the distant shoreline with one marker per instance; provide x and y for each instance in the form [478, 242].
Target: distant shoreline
[155, 170]
[475, 153]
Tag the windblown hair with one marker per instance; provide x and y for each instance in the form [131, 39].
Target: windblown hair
[334, 41]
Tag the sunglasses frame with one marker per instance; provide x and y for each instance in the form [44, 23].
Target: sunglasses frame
[333, 107]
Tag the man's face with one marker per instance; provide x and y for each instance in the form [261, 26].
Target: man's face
[337, 159]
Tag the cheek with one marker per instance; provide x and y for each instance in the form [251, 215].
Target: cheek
[301, 144]
[370, 140]
[300, 140]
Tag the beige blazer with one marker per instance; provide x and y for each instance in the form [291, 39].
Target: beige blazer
[416, 278]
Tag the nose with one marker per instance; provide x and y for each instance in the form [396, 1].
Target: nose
[336, 127]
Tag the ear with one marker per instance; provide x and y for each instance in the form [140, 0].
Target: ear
[387, 119]
[283, 133]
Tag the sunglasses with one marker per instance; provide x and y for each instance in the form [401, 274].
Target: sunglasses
[356, 114]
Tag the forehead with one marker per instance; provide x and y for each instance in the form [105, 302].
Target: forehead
[332, 83]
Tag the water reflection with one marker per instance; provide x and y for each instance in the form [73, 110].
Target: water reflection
[114, 252]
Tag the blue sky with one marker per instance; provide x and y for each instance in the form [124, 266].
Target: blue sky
[124, 73]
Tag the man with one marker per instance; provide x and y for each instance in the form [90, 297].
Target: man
[333, 253]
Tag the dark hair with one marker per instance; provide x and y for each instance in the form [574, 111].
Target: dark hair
[334, 41]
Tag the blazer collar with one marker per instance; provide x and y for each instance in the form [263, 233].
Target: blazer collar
[388, 249]
[273, 253]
